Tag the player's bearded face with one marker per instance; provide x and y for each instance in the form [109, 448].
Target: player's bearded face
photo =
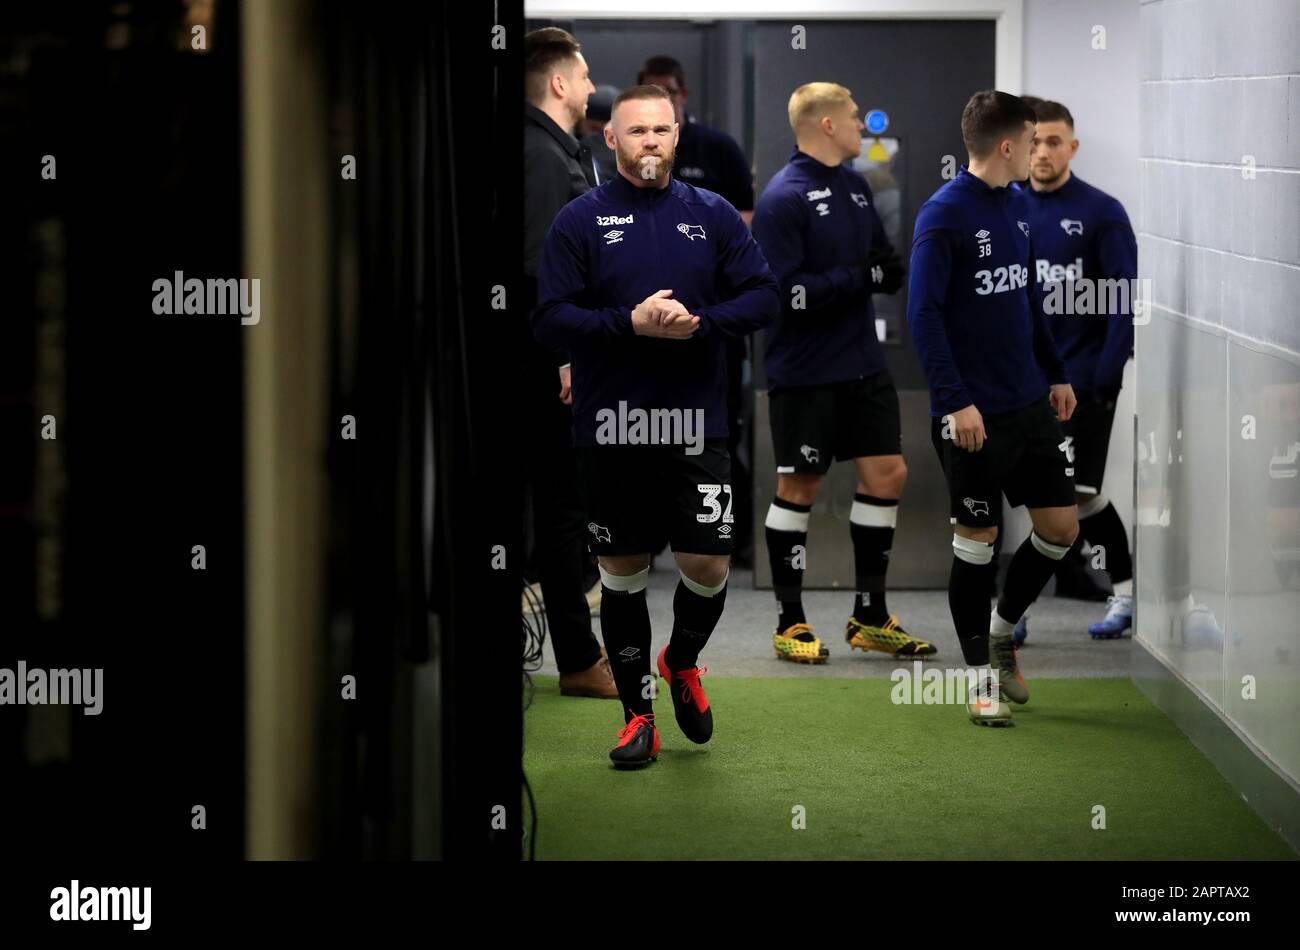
[645, 139]
[1052, 151]
[650, 158]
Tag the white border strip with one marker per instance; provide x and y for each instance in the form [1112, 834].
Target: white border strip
[1008, 14]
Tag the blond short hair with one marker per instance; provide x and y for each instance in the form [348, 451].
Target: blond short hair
[813, 100]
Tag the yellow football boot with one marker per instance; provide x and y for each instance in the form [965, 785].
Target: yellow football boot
[798, 645]
[889, 638]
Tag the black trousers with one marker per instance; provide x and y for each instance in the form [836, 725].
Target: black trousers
[559, 526]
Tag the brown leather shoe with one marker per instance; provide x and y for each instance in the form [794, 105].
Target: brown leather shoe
[596, 681]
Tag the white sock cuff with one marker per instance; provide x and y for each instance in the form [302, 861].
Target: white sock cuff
[873, 516]
[783, 519]
[1000, 626]
[1093, 506]
[696, 587]
[971, 551]
[625, 583]
[1124, 588]
[1054, 551]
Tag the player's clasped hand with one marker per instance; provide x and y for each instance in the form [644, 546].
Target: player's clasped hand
[1063, 400]
[659, 315]
[968, 429]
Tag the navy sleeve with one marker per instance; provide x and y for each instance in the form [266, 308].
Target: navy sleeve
[1117, 251]
[779, 227]
[1046, 353]
[744, 270]
[561, 283]
[927, 289]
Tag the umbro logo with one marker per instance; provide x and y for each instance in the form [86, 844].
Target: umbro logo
[612, 237]
[1068, 448]
[822, 208]
[982, 235]
[692, 231]
[1072, 227]
[630, 653]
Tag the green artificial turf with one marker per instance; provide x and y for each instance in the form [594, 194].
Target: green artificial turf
[884, 781]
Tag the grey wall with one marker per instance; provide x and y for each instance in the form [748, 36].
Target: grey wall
[1218, 511]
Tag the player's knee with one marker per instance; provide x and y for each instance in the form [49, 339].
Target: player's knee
[977, 550]
[621, 566]
[798, 489]
[896, 479]
[1061, 531]
[983, 535]
[704, 570]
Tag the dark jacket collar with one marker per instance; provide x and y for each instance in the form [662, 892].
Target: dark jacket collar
[974, 182]
[565, 140]
[629, 192]
[813, 168]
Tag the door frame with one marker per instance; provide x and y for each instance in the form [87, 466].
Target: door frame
[1008, 17]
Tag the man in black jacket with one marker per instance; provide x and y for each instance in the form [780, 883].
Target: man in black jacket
[556, 171]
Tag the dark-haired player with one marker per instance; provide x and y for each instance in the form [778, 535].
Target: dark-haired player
[998, 387]
[1082, 233]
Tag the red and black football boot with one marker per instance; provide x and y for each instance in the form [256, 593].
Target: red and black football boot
[638, 743]
[694, 717]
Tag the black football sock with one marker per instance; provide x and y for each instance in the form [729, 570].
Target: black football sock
[625, 627]
[871, 525]
[1104, 529]
[696, 609]
[1031, 568]
[968, 597]
[787, 547]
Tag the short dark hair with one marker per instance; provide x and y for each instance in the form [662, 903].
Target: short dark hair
[1049, 111]
[644, 91]
[990, 117]
[662, 66]
[1033, 102]
[545, 49]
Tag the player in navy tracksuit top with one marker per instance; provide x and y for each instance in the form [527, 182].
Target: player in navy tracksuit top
[642, 281]
[998, 387]
[1082, 234]
[831, 396]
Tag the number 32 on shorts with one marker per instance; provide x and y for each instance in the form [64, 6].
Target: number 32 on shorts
[711, 493]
